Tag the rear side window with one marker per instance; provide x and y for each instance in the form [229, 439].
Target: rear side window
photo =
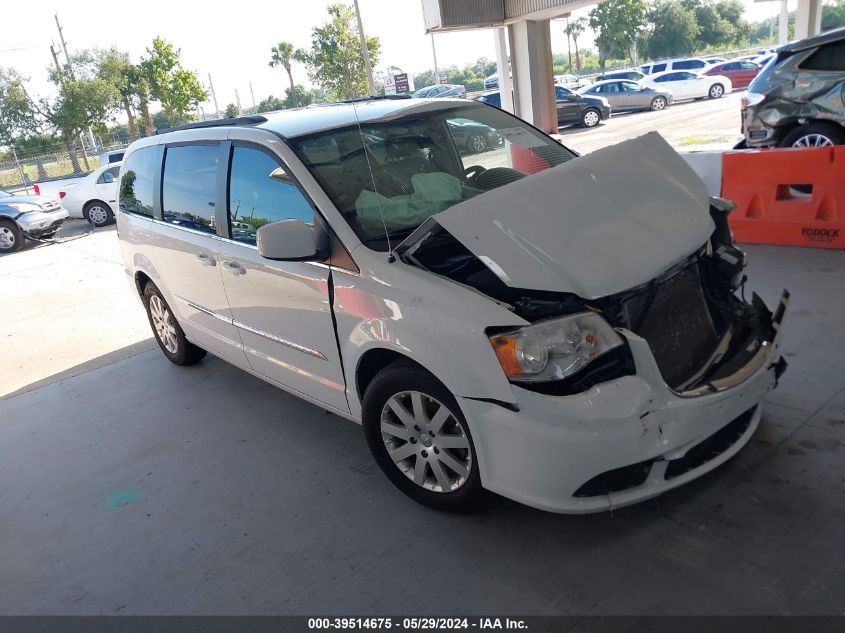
[136, 184]
[658, 68]
[189, 185]
[682, 65]
[261, 191]
[828, 57]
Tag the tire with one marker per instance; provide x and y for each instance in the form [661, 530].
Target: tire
[405, 387]
[11, 237]
[98, 213]
[477, 143]
[814, 135]
[717, 91]
[590, 118]
[658, 104]
[169, 336]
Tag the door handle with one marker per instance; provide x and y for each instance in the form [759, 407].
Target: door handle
[235, 268]
[206, 260]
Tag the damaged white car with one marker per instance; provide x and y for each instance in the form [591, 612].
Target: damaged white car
[566, 331]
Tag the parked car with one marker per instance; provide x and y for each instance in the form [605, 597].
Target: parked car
[491, 82]
[440, 90]
[626, 95]
[572, 108]
[633, 75]
[683, 63]
[94, 197]
[796, 100]
[741, 73]
[472, 137]
[564, 331]
[573, 82]
[715, 60]
[21, 217]
[113, 156]
[689, 85]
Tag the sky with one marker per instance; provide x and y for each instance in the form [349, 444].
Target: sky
[233, 45]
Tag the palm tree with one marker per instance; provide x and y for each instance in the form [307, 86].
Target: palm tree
[574, 30]
[282, 53]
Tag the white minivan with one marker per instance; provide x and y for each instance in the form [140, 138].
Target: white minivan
[565, 331]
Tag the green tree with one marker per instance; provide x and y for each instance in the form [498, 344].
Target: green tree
[334, 60]
[833, 15]
[114, 67]
[674, 30]
[574, 29]
[281, 55]
[18, 120]
[231, 111]
[271, 104]
[177, 89]
[303, 97]
[617, 24]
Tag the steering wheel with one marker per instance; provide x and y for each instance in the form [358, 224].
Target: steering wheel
[473, 172]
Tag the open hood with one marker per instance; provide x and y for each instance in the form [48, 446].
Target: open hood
[594, 226]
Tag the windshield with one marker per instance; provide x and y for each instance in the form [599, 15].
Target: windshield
[394, 174]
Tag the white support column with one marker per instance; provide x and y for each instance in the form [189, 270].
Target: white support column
[503, 69]
[531, 64]
[808, 18]
[783, 24]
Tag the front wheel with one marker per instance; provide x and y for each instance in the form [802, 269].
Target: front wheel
[98, 213]
[420, 439]
[11, 237]
[168, 334]
[716, 91]
[477, 143]
[658, 103]
[590, 118]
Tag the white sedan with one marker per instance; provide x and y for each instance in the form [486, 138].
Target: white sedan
[94, 196]
[689, 85]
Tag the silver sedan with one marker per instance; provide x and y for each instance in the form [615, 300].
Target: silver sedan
[625, 95]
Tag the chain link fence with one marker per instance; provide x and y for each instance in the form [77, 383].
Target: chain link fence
[18, 171]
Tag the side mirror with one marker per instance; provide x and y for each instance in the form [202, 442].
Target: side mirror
[287, 240]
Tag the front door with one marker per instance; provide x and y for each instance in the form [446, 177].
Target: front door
[568, 106]
[186, 249]
[280, 308]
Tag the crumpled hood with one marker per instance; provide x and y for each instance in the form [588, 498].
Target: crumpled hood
[594, 226]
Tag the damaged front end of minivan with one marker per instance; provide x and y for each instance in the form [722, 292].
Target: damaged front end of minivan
[625, 269]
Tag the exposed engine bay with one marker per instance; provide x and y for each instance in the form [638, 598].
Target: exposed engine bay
[697, 326]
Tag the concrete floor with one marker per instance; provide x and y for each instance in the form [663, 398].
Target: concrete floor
[142, 488]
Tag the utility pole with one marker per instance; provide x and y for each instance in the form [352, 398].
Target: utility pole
[62, 38]
[252, 94]
[434, 54]
[238, 102]
[55, 56]
[364, 52]
[213, 97]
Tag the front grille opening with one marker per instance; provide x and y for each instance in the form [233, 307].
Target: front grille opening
[673, 316]
[710, 448]
[616, 480]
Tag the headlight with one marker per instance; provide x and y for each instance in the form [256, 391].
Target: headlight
[25, 207]
[751, 99]
[554, 349]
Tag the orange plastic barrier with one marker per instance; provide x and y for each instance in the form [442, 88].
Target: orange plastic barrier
[794, 197]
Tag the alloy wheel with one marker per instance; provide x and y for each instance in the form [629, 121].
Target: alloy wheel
[426, 441]
[163, 324]
[716, 91]
[7, 239]
[478, 142]
[813, 140]
[658, 104]
[98, 215]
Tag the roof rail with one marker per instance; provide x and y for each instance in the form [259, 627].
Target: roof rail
[251, 119]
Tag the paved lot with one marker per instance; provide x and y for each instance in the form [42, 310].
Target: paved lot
[688, 126]
[139, 487]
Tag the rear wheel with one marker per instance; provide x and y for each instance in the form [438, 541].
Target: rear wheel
[590, 118]
[420, 439]
[477, 143]
[98, 213]
[169, 336]
[716, 91]
[11, 237]
[814, 135]
[658, 103]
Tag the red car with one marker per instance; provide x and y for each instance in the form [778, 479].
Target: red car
[741, 72]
